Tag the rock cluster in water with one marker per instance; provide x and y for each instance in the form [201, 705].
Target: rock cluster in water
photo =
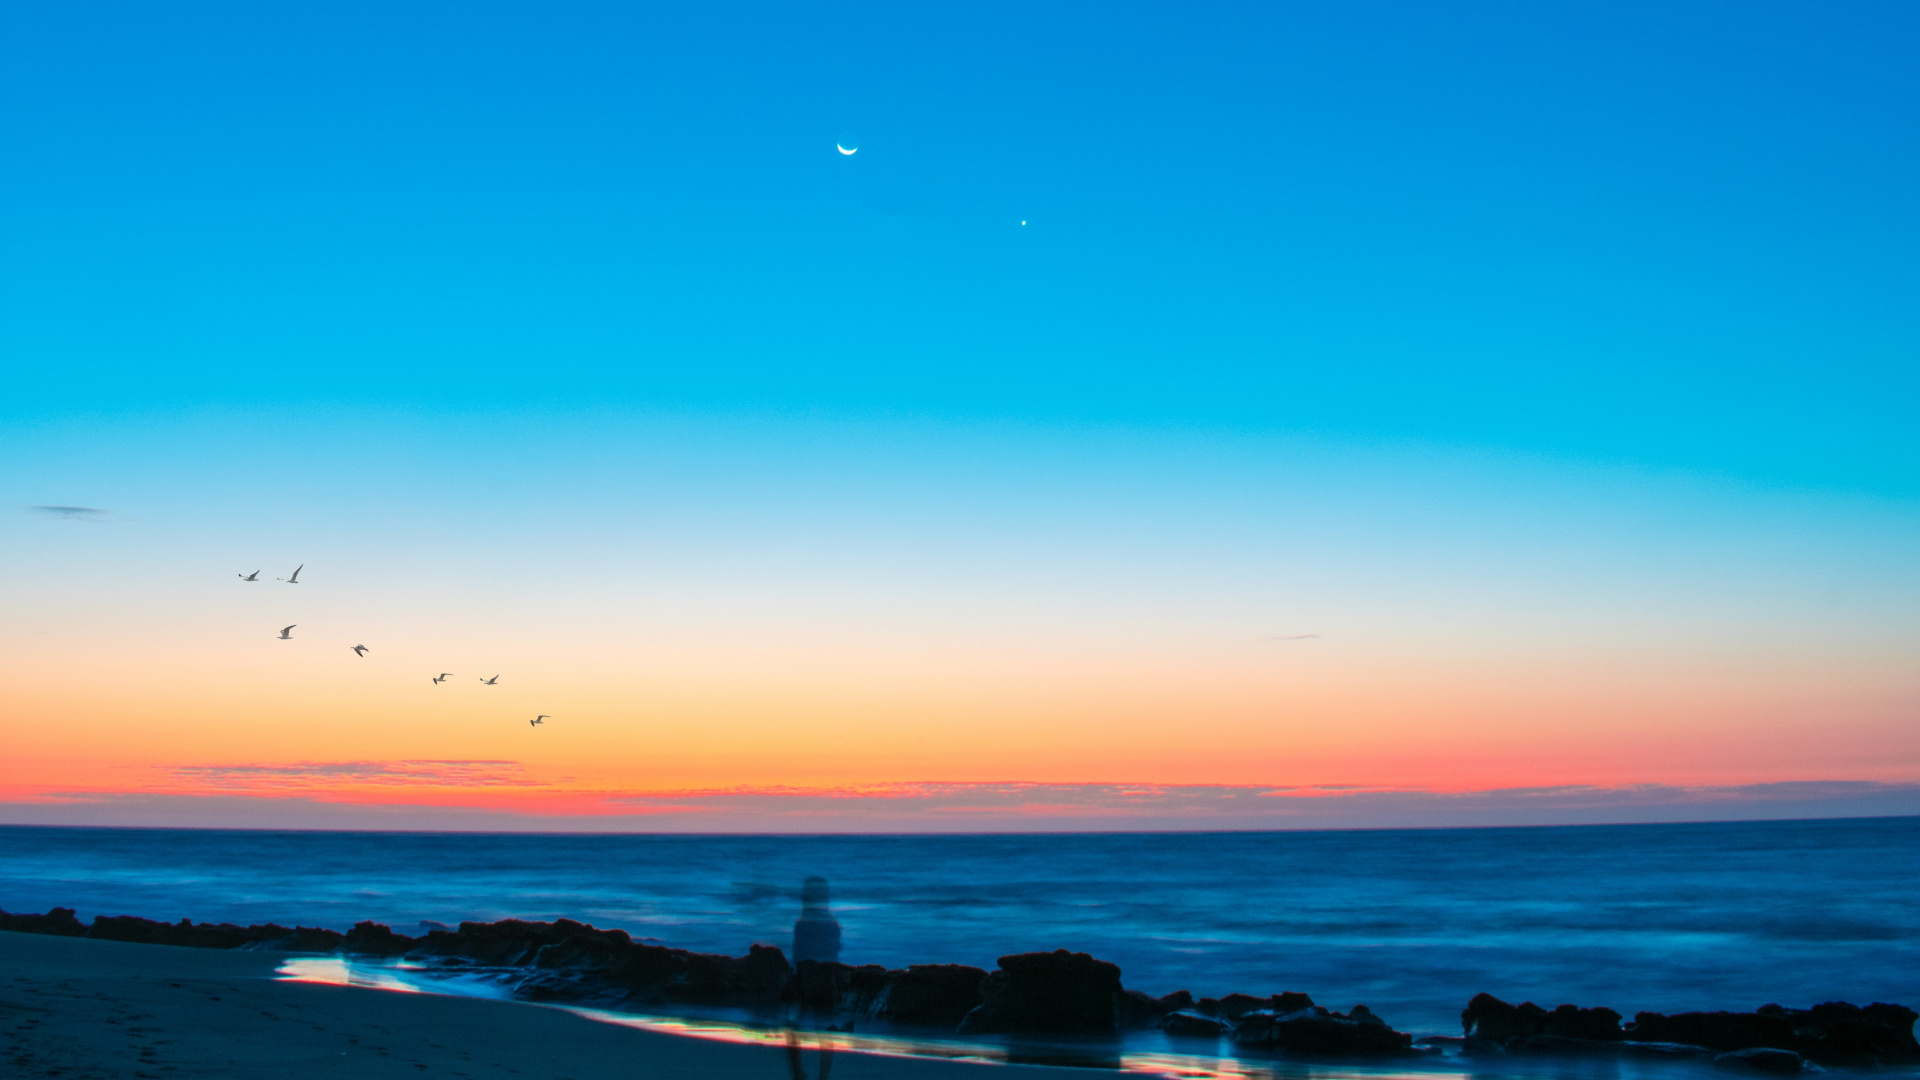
[1772, 1038]
[1057, 993]
[61, 922]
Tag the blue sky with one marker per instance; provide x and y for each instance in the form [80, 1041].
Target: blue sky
[1673, 238]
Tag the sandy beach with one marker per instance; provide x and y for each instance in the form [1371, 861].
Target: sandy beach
[77, 1009]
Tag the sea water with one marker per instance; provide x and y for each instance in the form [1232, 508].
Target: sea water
[1412, 923]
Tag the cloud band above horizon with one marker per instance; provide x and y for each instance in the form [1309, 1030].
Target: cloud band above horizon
[250, 798]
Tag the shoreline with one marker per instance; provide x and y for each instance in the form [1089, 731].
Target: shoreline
[1033, 996]
[75, 1007]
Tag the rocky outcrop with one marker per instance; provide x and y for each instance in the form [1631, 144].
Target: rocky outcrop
[306, 939]
[1056, 993]
[1489, 1019]
[932, 995]
[59, 922]
[186, 932]
[567, 960]
[374, 939]
[1308, 1030]
[829, 993]
[1031, 994]
[1835, 1033]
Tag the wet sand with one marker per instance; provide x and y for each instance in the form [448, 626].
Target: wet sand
[79, 1009]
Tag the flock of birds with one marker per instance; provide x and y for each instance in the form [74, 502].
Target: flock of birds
[286, 634]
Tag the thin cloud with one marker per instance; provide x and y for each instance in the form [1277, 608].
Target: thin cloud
[1188, 806]
[71, 513]
[1290, 637]
[414, 773]
[416, 794]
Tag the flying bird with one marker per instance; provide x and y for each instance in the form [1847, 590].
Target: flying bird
[535, 722]
[255, 576]
[287, 634]
[490, 682]
[360, 651]
[442, 677]
[295, 579]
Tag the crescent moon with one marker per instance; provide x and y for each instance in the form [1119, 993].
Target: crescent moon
[846, 151]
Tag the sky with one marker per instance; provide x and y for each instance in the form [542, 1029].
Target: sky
[1233, 416]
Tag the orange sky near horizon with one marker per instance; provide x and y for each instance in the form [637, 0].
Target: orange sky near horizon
[1326, 710]
[1254, 618]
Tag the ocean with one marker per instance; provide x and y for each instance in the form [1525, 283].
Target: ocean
[1411, 923]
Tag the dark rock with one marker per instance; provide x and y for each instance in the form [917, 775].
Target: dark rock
[1316, 1032]
[932, 995]
[1234, 1006]
[765, 964]
[1837, 1033]
[188, 934]
[1571, 1022]
[1190, 1024]
[1055, 993]
[610, 961]
[1831, 1033]
[129, 928]
[1207, 1007]
[1290, 1001]
[59, 922]
[1834, 1033]
[185, 933]
[1723, 1031]
[1762, 1059]
[373, 939]
[1136, 1010]
[753, 980]
[1174, 1002]
[311, 939]
[816, 986]
[561, 943]
[828, 991]
[1487, 1017]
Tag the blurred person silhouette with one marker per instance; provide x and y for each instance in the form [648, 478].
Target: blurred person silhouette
[812, 992]
[816, 933]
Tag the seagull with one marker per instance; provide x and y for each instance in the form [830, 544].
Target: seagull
[287, 634]
[360, 651]
[255, 576]
[490, 682]
[295, 579]
[536, 720]
[442, 677]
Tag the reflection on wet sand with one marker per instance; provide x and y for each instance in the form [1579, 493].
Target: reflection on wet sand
[1100, 1054]
[797, 1066]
